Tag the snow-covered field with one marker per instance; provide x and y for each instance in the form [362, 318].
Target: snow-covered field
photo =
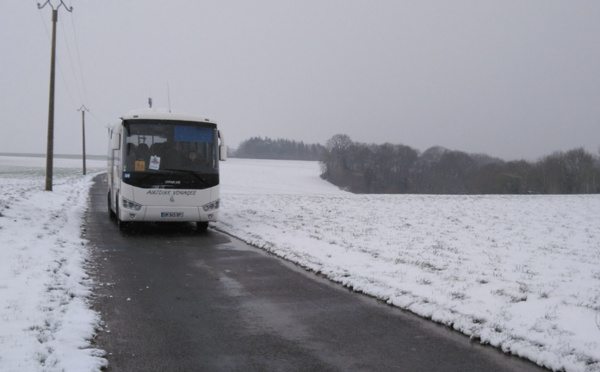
[518, 272]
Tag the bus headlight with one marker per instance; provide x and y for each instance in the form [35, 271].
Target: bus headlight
[131, 205]
[211, 206]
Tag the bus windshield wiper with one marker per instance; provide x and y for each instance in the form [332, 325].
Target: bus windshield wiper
[193, 173]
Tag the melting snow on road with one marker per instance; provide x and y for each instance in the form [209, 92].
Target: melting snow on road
[521, 273]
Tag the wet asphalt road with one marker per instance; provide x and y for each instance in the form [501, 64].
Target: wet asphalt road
[174, 300]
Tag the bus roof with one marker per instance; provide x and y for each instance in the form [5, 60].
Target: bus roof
[162, 114]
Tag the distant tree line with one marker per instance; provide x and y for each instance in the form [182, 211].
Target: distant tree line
[266, 148]
[399, 169]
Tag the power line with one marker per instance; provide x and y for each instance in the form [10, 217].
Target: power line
[67, 45]
[79, 82]
[58, 64]
[79, 59]
[83, 98]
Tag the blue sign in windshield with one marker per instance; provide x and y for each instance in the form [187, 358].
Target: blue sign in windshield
[188, 133]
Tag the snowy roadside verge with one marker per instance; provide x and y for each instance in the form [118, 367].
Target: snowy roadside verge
[46, 323]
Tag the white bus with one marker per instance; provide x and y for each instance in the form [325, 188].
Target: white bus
[164, 166]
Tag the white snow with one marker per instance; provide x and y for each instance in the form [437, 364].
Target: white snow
[518, 272]
[45, 320]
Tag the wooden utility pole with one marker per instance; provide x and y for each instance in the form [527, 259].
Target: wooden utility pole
[83, 109]
[50, 144]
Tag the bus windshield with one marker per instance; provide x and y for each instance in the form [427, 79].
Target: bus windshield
[159, 147]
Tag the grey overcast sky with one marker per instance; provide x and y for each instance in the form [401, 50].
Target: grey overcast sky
[515, 79]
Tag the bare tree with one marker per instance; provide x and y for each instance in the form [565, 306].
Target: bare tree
[392, 168]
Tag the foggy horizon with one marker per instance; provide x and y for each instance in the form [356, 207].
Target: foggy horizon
[513, 80]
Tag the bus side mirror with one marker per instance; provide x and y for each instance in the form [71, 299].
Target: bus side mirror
[115, 141]
[222, 152]
[222, 147]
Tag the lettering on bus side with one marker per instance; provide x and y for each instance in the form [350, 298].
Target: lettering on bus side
[170, 192]
[184, 192]
[158, 192]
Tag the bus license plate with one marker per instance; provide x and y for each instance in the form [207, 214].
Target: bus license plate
[172, 214]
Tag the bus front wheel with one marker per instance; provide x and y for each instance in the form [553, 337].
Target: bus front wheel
[111, 214]
[201, 226]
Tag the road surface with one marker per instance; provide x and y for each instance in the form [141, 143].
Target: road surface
[174, 300]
